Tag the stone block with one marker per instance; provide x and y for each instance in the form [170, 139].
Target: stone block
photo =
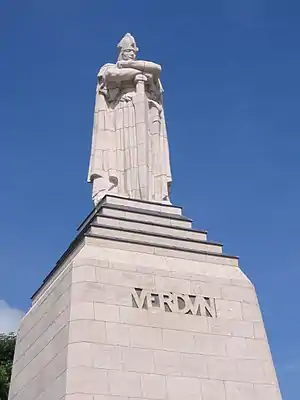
[206, 289]
[265, 392]
[79, 396]
[55, 286]
[181, 224]
[84, 273]
[107, 356]
[151, 228]
[159, 220]
[210, 344]
[106, 221]
[166, 284]
[247, 348]
[178, 341]
[118, 334]
[191, 323]
[52, 354]
[156, 317]
[227, 309]
[259, 330]
[213, 390]
[242, 281]
[218, 326]
[112, 212]
[106, 312]
[136, 316]
[270, 373]
[124, 266]
[80, 355]
[154, 386]
[183, 388]
[82, 310]
[251, 312]
[231, 327]
[154, 240]
[125, 278]
[236, 293]
[87, 331]
[167, 362]
[124, 383]
[29, 350]
[145, 337]
[239, 391]
[56, 390]
[140, 205]
[137, 360]
[87, 380]
[32, 386]
[212, 271]
[201, 257]
[194, 365]
[222, 368]
[243, 329]
[124, 246]
[100, 292]
[45, 328]
[252, 371]
[160, 269]
[90, 260]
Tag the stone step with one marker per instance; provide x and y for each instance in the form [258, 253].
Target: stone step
[142, 215]
[148, 227]
[141, 205]
[154, 239]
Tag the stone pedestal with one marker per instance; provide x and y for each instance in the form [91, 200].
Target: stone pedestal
[143, 307]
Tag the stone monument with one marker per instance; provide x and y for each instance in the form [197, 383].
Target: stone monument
[130, 153]
[141, 306]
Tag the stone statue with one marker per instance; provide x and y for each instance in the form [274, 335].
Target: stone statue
[130, 152]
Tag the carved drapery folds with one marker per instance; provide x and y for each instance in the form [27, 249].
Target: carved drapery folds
[130, 152]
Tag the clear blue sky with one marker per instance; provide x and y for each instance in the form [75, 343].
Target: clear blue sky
[232, 83]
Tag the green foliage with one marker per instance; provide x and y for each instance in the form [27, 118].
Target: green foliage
[7, 349]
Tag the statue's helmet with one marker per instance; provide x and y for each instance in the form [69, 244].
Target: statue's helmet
[127, 43]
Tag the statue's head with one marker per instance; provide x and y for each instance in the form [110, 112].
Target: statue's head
[127, 48]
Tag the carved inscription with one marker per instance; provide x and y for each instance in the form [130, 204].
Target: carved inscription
[174, 302]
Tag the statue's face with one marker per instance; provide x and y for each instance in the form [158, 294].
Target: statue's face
[128, 54]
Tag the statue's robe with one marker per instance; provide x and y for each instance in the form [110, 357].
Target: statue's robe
[123, 162]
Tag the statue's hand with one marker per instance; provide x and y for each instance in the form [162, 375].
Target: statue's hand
[149, 77]
[141, 78]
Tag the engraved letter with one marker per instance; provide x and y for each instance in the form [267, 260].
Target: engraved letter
[182, 303]
[196, 305]
[202, 306]
[209, 307]
[139, 297]
[152, 300]
[166, 302]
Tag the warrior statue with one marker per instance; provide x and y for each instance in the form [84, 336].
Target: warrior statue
[130, 152]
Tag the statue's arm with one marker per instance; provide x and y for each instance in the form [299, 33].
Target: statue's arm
[118, 75]
[146, 67]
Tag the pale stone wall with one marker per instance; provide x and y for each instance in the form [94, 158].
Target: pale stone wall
[125, 352]
[40, 362]
[91, 335]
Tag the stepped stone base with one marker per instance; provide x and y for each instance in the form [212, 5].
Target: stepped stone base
[143, 307]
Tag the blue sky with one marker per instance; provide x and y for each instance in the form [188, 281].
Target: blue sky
[232, 84]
